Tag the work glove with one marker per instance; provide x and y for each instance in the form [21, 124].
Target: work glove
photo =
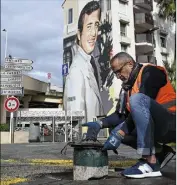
[93, 130]
[114, 140]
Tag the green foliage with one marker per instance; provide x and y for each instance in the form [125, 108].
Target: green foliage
[167, 9]
[4, 127]
[171, 70]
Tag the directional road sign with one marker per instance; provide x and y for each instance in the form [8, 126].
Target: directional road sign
[18, 61]
[12, 104]
[10, 73]
[18, 67]
[12, 92]
[65, 69]
[11, 79]
[10, 86]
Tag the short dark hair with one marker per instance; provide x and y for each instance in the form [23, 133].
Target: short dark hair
[123, 56]
[88, 9]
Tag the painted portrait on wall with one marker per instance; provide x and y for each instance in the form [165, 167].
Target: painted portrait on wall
[88, 49]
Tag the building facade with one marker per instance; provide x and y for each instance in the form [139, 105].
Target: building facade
[132, 26]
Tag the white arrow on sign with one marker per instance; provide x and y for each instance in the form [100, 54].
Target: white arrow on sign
[10, 85]
[64, 69]
[11, 79]
[10, 73]
[18, 61]
[18, 67]
[11, 91]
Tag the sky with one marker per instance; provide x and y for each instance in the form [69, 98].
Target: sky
[35, 32]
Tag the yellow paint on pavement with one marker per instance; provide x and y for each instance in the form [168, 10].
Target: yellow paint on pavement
[123, 163]
[59, 162]
[9, 160]
[69, 163]
[65, 162]
[10, 181]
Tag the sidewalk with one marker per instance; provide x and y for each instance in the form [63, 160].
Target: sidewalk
[42, 163]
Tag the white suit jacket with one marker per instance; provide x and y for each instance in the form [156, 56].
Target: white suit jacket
[81, 90]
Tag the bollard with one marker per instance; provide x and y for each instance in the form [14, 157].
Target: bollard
[34, 132]
[89, 161]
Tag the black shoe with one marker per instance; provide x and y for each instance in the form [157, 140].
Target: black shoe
[165, 155]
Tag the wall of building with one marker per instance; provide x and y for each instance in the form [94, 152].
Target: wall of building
[70, 29]
[168, 27]
[3, 111]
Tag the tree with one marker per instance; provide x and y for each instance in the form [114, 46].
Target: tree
[167, 9]
[171, 70]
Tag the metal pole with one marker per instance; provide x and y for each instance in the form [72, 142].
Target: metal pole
[66, 129]
[11, 127]
[53, 125]
[6, 45]
[71, 126]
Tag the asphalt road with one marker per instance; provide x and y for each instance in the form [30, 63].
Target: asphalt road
[42, 163]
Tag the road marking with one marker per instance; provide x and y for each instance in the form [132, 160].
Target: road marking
[13, 181]
[69, 162]
[59, 162]
[65, 162]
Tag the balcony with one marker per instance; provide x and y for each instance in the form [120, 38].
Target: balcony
[143, 22]
[125, 40]
[146, 59]
[146, 4]
[144, 43]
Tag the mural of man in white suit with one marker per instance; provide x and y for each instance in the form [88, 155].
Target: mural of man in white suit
[82, 85]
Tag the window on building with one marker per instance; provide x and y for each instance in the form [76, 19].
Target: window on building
[124, 47]
[163, 40]
[70, 16]
[164, 57]
[123, 29]
[108, 4]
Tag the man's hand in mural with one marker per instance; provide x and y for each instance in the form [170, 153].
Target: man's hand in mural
[93, 129]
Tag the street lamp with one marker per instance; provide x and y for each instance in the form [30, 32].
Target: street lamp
[5, 43]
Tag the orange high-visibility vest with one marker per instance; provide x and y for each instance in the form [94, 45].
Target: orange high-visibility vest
[166, 95]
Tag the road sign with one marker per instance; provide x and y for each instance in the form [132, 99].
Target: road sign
[11, 79]
[12, 104]
[12, 92]
[65, 69]
[10, 85]
[18, 67]
[10, 73]
[18, 61]
[49, 75]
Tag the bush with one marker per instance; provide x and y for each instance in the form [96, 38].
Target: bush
[4, 127]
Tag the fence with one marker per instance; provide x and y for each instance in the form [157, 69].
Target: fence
[56, 125]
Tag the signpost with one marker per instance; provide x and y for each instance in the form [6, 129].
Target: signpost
[12, 85]
[65, 69]
[11, 104]
[18, 67]
[18, 61]
[12, 77]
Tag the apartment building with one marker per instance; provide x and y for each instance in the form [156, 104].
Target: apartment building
[136, 29]
[132, 26]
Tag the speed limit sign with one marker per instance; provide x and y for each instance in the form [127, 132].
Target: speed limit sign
[11, 104]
